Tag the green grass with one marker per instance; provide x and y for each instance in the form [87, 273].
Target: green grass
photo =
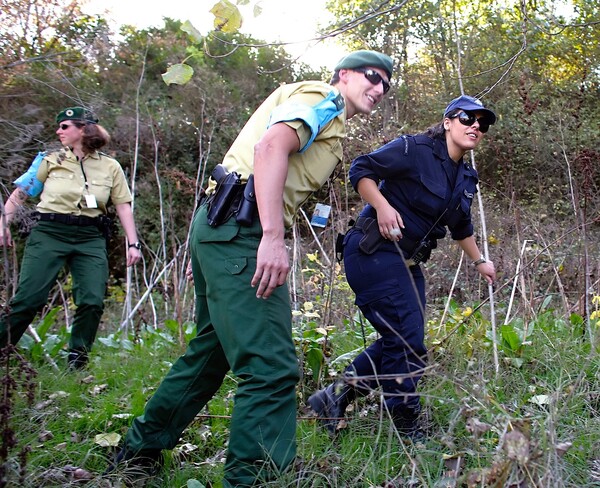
[535, 423]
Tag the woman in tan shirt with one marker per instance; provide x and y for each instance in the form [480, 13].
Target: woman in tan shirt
[74, 186]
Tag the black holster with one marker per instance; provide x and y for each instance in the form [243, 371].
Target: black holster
[231, 197]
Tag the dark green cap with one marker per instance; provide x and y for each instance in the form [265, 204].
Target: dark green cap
[77, 113]
[364, 58]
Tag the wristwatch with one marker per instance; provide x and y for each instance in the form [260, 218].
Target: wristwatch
[481, 260]
[137, 245]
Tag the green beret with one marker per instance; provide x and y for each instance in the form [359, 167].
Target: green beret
[364, 58]
[77, 113]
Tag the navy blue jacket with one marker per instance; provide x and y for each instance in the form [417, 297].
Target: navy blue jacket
[419, 179]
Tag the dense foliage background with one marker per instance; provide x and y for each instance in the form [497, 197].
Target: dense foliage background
[537, 64]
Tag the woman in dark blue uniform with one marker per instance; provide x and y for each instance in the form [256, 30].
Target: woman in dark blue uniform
[415, 187]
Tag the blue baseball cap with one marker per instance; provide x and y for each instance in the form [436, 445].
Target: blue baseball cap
[465, 102]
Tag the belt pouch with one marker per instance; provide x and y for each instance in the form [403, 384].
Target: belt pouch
[372, 239]
[248, 207]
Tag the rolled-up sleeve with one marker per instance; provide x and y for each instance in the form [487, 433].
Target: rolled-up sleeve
[385, 162]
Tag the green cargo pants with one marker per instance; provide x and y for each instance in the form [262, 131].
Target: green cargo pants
[237, 331]
[51, 246]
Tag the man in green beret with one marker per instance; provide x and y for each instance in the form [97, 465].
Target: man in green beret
[290, 146]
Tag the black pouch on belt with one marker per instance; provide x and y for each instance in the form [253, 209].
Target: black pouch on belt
[372, 239]
[105, 225]
[248, 209]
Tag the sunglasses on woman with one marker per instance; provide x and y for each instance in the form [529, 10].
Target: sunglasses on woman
[469, 118]
[374, 77]
[65, 126]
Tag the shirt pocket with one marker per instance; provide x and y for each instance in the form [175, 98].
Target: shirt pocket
[429, 196]
[101, 187]
[61, 185]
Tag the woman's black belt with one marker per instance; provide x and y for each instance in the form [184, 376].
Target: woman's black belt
[68, 219]
[373, 239]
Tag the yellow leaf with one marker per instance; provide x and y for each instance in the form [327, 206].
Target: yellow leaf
[308, 306]
[227, 16]
[321, 330]
[111, 439]
[540, 399]
[312, 315]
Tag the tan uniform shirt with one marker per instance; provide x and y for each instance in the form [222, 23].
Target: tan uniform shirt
[307, 171]
[67, 182]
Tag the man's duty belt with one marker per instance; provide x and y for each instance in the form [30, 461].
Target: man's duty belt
[67, 219]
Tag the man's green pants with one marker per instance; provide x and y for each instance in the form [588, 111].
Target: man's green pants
[237, 331]
[50, 247]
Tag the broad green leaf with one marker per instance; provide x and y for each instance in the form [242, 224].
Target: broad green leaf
[48, 322]
[172, 326]
[314, 358]
[53, 344]
[189, 29]
[347, 357]
[227, 16]
[127, 345]
[546, 302]
[576, 319]
[179, 74]
[516, 362]
[110, 341]
[510, 338]
[194, 484]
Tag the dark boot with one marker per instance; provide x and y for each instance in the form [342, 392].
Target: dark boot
[143, 463]
[330, 404]
[77, 359]
[407, 423]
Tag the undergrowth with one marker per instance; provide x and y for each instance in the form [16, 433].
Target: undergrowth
[535, 422]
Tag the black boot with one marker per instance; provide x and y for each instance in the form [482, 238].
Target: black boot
[77, 359]
[407, 423]
[330, 404]
[143, 463]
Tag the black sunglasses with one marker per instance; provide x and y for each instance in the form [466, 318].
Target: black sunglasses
[65, 126]
[374, 77]
[469, 118]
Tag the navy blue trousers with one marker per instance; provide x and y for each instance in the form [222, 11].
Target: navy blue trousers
[391, 296]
